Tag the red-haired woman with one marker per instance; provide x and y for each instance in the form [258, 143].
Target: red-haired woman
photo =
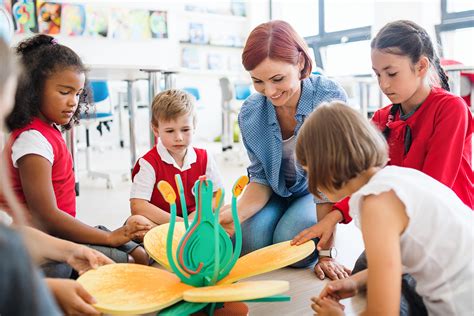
[276, 206]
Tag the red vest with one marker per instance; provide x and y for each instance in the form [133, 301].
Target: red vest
[165, 171]
[62, 174]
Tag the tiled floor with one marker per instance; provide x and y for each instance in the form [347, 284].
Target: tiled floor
[110, 207]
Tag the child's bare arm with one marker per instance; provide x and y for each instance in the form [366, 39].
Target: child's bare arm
[35, 176]
[150, 211]
[383, 220]
[43, 247]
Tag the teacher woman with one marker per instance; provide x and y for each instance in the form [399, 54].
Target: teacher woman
[276, 206]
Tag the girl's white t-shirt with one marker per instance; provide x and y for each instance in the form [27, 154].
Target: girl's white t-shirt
[437, 244]
[31, 142]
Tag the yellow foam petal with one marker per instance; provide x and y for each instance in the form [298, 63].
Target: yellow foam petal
[132, 288]
[155, 242]
[236, 292]
[268, 259]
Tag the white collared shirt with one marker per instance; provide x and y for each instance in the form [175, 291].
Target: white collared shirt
[144, 181]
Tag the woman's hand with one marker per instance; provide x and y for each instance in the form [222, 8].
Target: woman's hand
[133, 229]
[330, 268]
[327, 307]
[72, 297]
[340, 289]
[83, 258]
[226, 220]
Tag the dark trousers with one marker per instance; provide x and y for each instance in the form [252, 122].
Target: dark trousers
[411, 303]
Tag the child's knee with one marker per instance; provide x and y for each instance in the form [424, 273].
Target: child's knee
[140, 220]
[139, 256]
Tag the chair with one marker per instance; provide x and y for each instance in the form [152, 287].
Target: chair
[242, 91]
[101, 115]
[232, 97]
[194, 92]
[227, 126]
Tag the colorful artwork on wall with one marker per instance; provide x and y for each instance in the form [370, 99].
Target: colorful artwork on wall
[24, 16]
[49, 17]
[159, 24]
[73, 19]
[118, 27]
[97, 21]
[138, 20]
[33, 16]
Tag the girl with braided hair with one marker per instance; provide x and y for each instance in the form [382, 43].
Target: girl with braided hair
[426, 127]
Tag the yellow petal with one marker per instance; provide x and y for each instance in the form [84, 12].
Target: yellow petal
[155, 242]
[236, 292]
[268, 259]
[132, 288]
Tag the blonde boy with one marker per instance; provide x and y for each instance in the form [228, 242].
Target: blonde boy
[173, 123]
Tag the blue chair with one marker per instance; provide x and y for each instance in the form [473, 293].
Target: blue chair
[100, 114]
[242, 91]
[193, 91]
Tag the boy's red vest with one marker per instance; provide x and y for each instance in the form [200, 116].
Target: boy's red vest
[165, 171]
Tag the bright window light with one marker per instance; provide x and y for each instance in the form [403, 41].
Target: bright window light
[301, 14]
[459, 5]
[347, 14]
[347, 59]
[458, 45]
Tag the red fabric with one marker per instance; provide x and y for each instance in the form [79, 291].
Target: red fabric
[442, 143]
[165, 171]
[62, 173]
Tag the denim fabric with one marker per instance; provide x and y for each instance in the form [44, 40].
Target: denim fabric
[279, 220]
[261, 133]
[57, 270]
[22, 288]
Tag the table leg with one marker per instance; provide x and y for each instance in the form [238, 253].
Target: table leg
[131, 112]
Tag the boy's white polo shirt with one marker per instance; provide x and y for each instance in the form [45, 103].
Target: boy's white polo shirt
[144, 181]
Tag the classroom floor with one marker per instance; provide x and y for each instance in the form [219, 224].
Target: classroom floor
[98, 205]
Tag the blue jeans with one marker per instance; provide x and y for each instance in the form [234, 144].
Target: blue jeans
[279, 220]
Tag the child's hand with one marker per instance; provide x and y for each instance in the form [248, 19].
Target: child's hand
[322, 230]
[339, 289]
[331, 268]
[327, 307]
[83, 258]
[191, 216]
[72, 297]
[133, 229]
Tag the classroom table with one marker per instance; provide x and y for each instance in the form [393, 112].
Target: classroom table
[130, 74]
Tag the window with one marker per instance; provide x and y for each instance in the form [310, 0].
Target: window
[346, 14]
[457, 45]
[455, 33]
[459, 5]
[301, 14]
[338, 62]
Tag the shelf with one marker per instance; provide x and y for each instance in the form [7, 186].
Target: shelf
[209, 45]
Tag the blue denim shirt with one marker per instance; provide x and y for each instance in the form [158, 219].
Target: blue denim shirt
[261, 133]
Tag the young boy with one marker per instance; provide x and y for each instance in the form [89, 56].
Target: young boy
[173, 123]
